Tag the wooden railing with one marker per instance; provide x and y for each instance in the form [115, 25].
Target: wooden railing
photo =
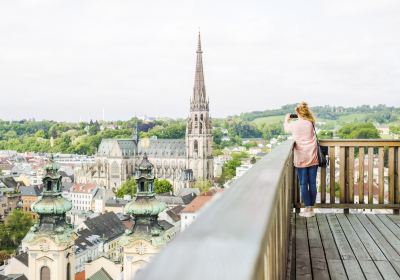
[245, 234]
[361, 174]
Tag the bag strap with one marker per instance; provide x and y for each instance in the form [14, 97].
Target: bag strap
[315, 133]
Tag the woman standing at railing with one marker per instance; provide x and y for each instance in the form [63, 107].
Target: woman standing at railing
[305, 154]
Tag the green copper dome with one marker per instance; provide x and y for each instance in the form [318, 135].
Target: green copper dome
[52, 205]
[151, 207]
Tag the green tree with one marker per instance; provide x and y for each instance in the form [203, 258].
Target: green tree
[128, 187]
[394, 129]
[167, 130]
[229, 167]
[325, 134]
[16, 226]
[40, 133]
[203, 185]
[162, 186]
[358, 131]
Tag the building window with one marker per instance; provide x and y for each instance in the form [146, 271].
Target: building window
[45, 273]
[68, 271]
[196, 147]
[48, 186]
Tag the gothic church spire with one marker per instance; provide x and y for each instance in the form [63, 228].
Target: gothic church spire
[199, 101]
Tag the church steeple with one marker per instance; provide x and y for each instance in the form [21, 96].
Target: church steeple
[145, 208]
[50, 243]
[199, 101]
[52, 206]
[199, 126]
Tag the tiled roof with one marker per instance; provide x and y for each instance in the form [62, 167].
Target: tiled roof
[23, 258]
[13, 277]
[83, 188]
[197, 204]
[127, 147]
[175, 212]
[30, 191]
[116, 202]
[107, 225]
[80, 275]
[165, 224]
[9, 182]
[163, 148]
[100, 275]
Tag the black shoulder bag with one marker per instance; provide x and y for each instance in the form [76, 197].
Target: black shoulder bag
[322, 152]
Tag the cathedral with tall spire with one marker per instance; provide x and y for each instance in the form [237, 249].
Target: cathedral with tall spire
[199, 126]
[181, 161]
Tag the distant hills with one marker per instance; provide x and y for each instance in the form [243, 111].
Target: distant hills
[331, 116]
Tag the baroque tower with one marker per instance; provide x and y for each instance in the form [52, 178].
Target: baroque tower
[199, 127]
[50, 242]
[147, 236]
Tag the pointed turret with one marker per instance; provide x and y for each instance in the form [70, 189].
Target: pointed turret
[199, 101]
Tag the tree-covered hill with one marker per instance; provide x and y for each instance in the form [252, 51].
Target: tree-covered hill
[84, 137]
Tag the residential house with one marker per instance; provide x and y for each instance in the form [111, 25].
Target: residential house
[29, 195]
[110, 228]
[82, 195]
[88, 247]
[195, 208]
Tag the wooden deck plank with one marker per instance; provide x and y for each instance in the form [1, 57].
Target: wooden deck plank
[355, 243]
[336, 270]
[387, 271]
[343, 246]
[386, 232]
[372, 248]
[303, 263]
[390, 224]
[396, 266]
[389, 252]
[318, 260]
[331, 251]
[353, 269]
[395, 218]
[347, 246]
[370, 270]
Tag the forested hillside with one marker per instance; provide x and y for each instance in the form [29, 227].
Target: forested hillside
[84, 137]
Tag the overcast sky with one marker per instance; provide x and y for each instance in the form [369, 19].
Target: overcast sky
[66, 60]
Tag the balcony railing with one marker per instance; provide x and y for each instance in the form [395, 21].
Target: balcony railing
[247, 232]
[242, 235]
[361, 174]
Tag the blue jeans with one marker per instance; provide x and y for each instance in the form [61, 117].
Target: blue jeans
[308, 184]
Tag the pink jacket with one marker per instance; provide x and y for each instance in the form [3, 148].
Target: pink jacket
[305, 147]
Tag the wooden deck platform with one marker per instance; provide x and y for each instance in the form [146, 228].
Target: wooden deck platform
[346, 246]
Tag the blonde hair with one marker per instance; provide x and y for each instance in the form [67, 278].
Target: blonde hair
[304, 112]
